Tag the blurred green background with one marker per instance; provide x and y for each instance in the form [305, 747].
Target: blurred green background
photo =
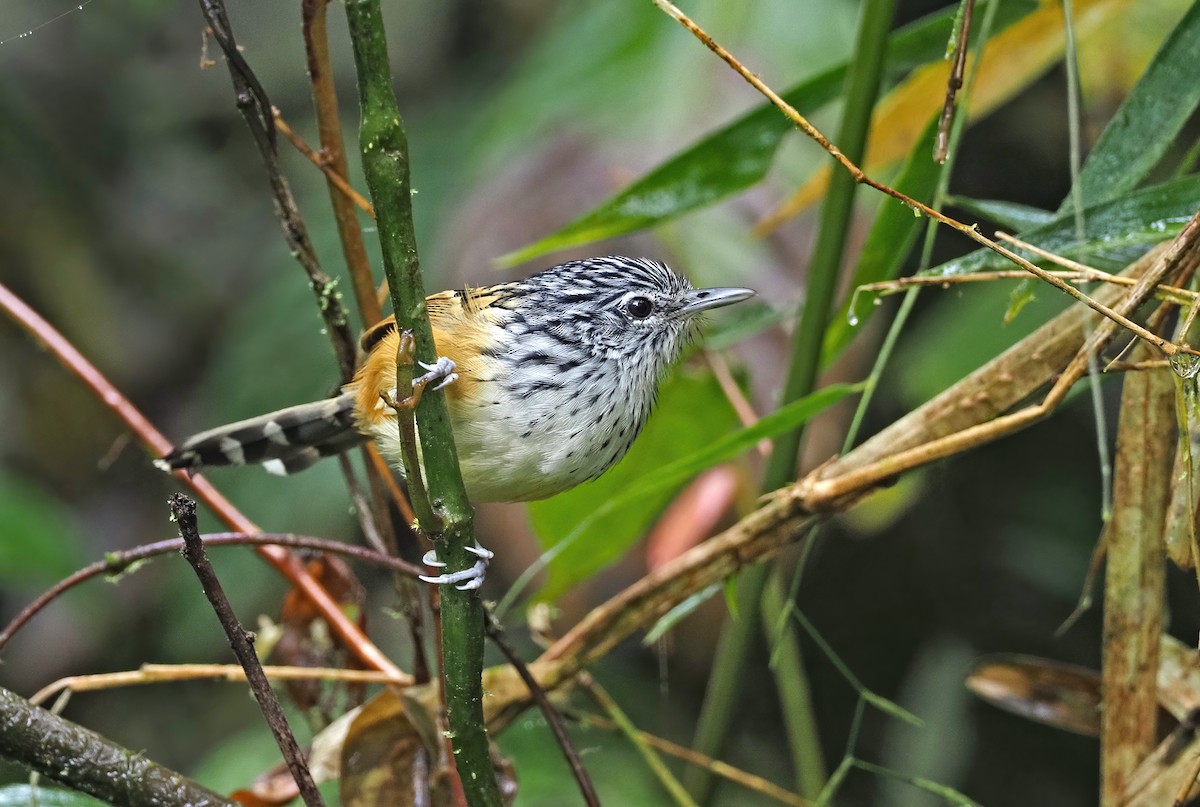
[134, 215]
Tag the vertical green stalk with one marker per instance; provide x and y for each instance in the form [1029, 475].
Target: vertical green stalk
[447, 515]
[724, 688]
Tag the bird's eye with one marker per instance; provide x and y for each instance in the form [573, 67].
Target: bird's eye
[639, 307]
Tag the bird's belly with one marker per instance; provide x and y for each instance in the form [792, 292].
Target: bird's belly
[521, 447]
[540, 448]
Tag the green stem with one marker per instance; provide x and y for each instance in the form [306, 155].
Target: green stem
[737, 638]
[447, 515]
[649, 755]
[796, 698]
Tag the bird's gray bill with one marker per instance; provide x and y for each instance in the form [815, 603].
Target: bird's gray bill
[703, 299]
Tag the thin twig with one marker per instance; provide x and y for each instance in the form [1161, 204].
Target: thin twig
[116, 563]
[969, 230]
[339, 182]
[255, 107]
[158, 445]
[406, 416]
[733, 393]
[1173, 293]
[183, 513]
[1136, 366]
[714, 766]
[1046, 254]
[667, 779]
[333, 159]
[953, 85]
[364, 509]
[170, 673]
[553, 719]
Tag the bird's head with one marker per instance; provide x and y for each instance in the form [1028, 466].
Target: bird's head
[630, 309]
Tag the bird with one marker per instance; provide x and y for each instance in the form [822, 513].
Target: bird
[548, 381]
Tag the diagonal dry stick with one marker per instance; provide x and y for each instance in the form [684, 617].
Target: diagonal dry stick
[241, 641]
[1172, 294]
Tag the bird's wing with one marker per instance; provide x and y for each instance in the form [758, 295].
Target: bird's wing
[463, 327]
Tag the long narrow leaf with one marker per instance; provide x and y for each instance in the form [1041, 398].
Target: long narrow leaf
[1015, 217]
[1149, 119]
[1149, 216]
[739, 155]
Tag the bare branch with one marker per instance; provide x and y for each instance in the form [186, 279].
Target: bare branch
[183, 513]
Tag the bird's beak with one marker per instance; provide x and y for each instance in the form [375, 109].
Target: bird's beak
[698, 300]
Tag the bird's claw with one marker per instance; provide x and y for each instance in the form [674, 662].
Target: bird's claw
[441, 370]
[470, 579]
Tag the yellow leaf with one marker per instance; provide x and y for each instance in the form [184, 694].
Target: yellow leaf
[1011, 61]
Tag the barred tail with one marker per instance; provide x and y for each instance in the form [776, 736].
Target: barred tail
[283, 442]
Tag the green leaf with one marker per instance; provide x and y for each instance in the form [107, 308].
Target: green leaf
[673, 617]
[1139, 219]
[944, 792]
[1149, 119]
[1010, 215]
[1018, 298]
[892, 235]
[728, 162]
[739, 155]
[24, 796]
[892, 708]
[591, 525]
[38, 543]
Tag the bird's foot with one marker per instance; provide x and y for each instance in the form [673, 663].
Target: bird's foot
[441, 370]
[469, 579]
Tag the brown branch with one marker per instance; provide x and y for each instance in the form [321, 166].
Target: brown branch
[115, 563]
[953, 85]
[970, 231]
[333, 152]
[339, 182]
[183, 513]
[553, 719]
[85, 761]
[152, 439]
[385, 473]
